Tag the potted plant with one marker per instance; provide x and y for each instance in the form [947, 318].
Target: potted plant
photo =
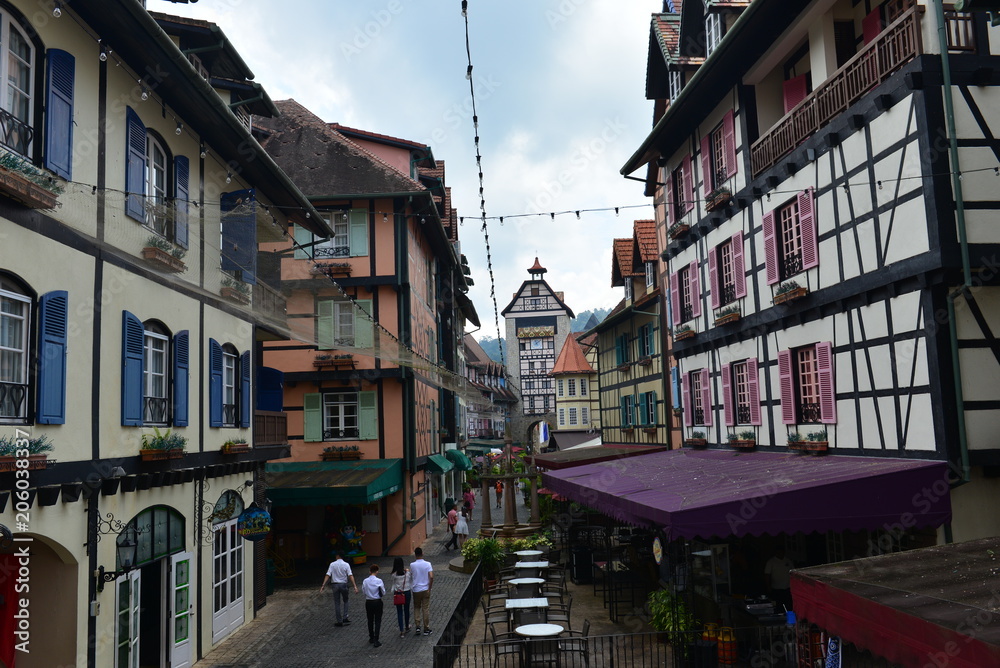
[164, 255]
[488, 552]
[235, 446]
[669, 615]
[816, 441]
[727, 315]
[234, 290]
[795, 441]
[697, 440]
[21, 180]
[326, 359]
[645, 361]
[32, 449]
[787, 292]
[718, 198]
[162, 445]
[335, 453]
[677, 229]
[624, 367]
[744, 440]
[682, 332]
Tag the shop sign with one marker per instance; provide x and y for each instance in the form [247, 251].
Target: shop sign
[657, 550]
[254, 523]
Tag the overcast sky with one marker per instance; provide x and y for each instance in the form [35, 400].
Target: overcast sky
[559, 95]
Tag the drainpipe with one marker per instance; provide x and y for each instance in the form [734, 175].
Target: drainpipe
[956, 183]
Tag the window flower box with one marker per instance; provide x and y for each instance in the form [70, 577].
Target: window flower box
[789, 292]
[35, 463]
[163, 260]
[36, 448]
[727, 315]
[645, 361]
[718, 198]
[162, 445]
[814, 442]
[20, 187]
[337, 453]
[695, 442]
[331, 269]
[628, 430]
[651, 431]
[624, 368]
[744, 440]
[682, 333]
[678, 229]
[153, 455]
[235, 447]
[334, 361]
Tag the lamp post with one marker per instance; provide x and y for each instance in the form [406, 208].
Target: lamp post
[125, 549]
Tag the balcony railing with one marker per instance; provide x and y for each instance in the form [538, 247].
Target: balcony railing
[17, 134]
[154, 410]
[699, 416]
[898, 44]
[229, 414]
[12, 400]
[742, 415]
[270, 428]
[809, 412]
[791, 265]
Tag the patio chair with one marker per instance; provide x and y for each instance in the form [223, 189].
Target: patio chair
[495, 614]
[558, 613]
[531, 616]
[573, 644]
[554, 556]
[506, 645]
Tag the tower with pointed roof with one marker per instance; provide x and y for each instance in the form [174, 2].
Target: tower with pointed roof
[577, 394]
[537, 324]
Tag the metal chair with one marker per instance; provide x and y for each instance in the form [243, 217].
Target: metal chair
[505, 645]
[558, 613]
[552, 591]
[573, 644]
[493, 614]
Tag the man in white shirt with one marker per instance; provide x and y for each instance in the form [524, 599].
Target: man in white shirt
[776, 571]
[423, 580]
[338, 575]
[374, 591]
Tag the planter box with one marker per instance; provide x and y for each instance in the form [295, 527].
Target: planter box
[677, 230]
[328, 270]
[645, 361]
[718, 200]
[235, 295]
[790, 296]
[650, 430]
[161, 259]
[235, 449]
[809, 446]
[340, 456]
[32, 195]
[686, 334]
[35, 463]
[344, 362]
[154, 455]
[726, 319]
[624, 368]
[175, 454]
[695, 442]
[743, 445]
[628, 430]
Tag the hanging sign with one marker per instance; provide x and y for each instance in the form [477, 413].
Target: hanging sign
[254, 523]
[657, 550]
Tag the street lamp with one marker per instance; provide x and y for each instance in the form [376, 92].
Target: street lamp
[125, 548]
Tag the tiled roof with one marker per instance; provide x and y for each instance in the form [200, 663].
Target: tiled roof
[321, 161]
[375, 135]
[571, 359]
[645, 237]
[537, 268]
[621, 261]
[474, 353]
[589, 341]
[667, 29]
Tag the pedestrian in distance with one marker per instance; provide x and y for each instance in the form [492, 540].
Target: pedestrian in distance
[452, 521]
[499, 489]
[339, 575]
[374, 591]
[423, 580]
[470, 498]
[402, 583]
[462, 525]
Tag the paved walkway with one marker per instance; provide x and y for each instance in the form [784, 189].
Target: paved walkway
[295, 629]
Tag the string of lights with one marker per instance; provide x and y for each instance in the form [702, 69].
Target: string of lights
[479, 166]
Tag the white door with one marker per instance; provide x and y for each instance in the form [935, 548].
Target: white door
[227, 581]
[179, 607]
[127, 620]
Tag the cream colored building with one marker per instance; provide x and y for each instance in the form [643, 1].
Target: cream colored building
[132, 304]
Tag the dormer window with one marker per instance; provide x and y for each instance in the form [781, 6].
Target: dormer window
[650, 274]
[628, 289]
[198, 66]
[714, 27]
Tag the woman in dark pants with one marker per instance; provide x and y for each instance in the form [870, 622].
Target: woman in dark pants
[401, 582]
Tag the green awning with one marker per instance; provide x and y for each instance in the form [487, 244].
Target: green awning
[459, 459]
[484, 445]
[438, 464]
[333, 483]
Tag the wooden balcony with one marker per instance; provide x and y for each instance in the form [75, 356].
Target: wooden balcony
[270, 428]
[895, 46]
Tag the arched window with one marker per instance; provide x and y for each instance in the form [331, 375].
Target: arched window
[15, 323]
[157, 159]
[17, 68]
[230, 373]
[156, 373]
[158, 531]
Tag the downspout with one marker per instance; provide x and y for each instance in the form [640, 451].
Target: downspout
[956, 183]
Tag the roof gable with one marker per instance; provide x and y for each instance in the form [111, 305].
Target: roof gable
[557, 296]
[571, 359]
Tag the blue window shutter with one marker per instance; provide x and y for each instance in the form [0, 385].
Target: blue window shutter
[133, 336]
[60, 76]
[214, 383]
[182, 368]
[303, 237]
[239, 233]
[135, 166]
[675, 385]
[358, 230]
[270, 389]
[245, 396]
[182, 174]
[53, 315]
[312, 415]
[367, 416]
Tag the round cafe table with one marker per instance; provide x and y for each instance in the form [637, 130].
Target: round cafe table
[527, 587]
[539, 630]
[528, 553]
[540, 644]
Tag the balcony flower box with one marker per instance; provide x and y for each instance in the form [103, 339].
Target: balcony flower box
[36, 448]
[726, 316]
[235, 447]
[234, 294]
[678, 229]
[815, 442]
[695, 442]
[628, 430]
[624, 368]
[645, 361]
[339, 454]
[163, 260]
[153, 455]
[718, 198]
[651, 431]
[18, 186]
[334, 361]
[789, 292]
[682, 333]
[35, 463]
[162, 445]
[331, 269]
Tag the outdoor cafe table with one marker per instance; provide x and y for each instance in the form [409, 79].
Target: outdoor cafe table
[513, 605]
[530, 569]
[540, 643]
[528, 553]
[527, 587]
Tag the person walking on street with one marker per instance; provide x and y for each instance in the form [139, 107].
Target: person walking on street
[374, 591]
[452, 521]
[338, 575]
[402, 583]
[470, 498]
[499, 488]
[462, 526]
[423, 581]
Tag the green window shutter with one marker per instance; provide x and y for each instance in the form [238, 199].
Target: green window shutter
[367, 416]
[654, 410]
[303, 237]
[618, 351]
[363, 327]
[325, 325]
[650, 340]
[624, 411]
[637, 408]
[312, 410]
[358, 221]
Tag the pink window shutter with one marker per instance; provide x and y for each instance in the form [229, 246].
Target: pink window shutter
[688, 183]
[754, 391]
[739, 269]
[807, 228]
[787, 386]
[770, 249]
[675, 298]
[686, 399]
[794, 91]
[871, 25]
[695, 289]
[827, 391]
[706, 164]
[671, 209]
[713, 275]
[729, 141]
[727, 396]
[706, 398]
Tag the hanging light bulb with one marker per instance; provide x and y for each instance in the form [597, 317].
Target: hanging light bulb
[616, 211]
[578, 215]
[145, 94]
[468, 73]
[57, 9]
[229, 179]
[385, 217]
[465, 8]
[104, 54]
[180, 128]
[204, 153]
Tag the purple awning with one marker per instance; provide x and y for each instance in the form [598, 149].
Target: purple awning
[704, 493]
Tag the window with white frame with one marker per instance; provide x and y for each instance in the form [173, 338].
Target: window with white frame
[741, 380]
[15, 313]
[562, 417]
[650, 405]
[156, 359]
[583, 387]
[628, 410]
[675, 83]
[559, 387]
[789, 240]
[807, 384]
[628, 289]
[339, 245]
[650, 274]
[584, 416]
[573, 417]
[714, 27]
[18, 70]
[697, 396]
[230, 372]
[340, 415]
[156, 186]
[571, 387]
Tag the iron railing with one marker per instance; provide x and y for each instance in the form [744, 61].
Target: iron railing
[686, 313]
[332, 251]
[791, 265]
[699, 416]
[635, 650]
[742, 415]
[332, 434]
[270, 428]
[154, 410]
[727, 294]
[449, 646]
[809, 412]
[16, 134]
[229, 414]
[13, 403]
